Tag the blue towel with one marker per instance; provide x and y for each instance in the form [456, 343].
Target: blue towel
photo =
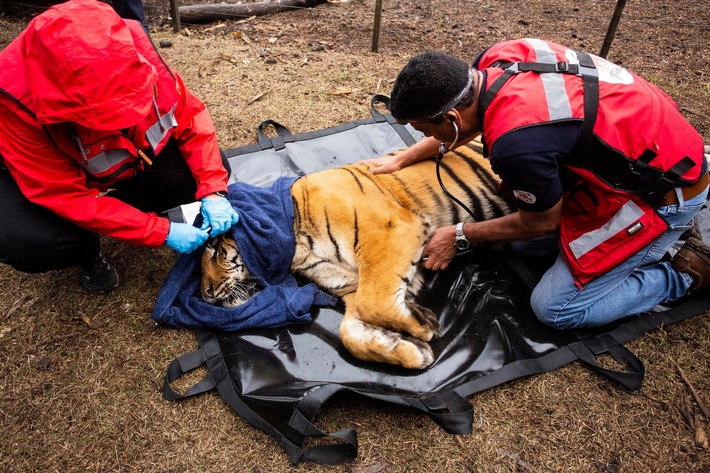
[264, 235]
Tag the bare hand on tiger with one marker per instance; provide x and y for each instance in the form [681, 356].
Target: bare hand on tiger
[426, 148]
[382, 165]
[440, 249]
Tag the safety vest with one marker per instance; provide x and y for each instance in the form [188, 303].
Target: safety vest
[531, 82]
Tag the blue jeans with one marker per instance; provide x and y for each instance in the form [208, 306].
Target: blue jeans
[635, 286]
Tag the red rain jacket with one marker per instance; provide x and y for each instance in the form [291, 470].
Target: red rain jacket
[85, 99]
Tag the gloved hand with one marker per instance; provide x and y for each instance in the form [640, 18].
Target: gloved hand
[185, 238]
[219, 215]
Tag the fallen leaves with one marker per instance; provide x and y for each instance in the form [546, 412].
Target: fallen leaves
[373, 468]
[246, 39]
[343, 91]
[228, 57]
[93, 323]
[215, 27]
[16, 305]
[258, 96]
[521, 465]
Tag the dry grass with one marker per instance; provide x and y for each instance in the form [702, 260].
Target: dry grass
[80, 375]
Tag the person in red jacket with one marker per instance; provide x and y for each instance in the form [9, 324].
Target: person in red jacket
[98, 136]
[605, 172]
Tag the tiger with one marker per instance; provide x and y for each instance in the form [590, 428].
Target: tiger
[359, 236]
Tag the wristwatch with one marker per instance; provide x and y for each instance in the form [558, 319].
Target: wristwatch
[461, 242]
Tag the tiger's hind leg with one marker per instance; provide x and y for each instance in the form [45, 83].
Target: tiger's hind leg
[374, 343]
[386, 290]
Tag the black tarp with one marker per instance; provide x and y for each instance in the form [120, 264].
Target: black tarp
[278, 379]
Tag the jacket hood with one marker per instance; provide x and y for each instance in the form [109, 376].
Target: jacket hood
[84, 67]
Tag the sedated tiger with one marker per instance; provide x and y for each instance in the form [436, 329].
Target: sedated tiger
[360, 237]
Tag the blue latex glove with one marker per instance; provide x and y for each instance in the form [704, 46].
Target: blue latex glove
[219, 215]
[185, 238]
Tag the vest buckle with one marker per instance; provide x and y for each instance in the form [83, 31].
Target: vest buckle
[562, 66]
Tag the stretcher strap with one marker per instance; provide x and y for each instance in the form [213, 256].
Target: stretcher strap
[182, 365]
[300, 427]
[448, 410]
[630, 380]
[586, 350]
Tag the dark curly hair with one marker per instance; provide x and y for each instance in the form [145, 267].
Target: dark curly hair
[426, 83]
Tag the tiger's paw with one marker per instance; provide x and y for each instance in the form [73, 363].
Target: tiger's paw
[428, 327]
[372, 343]
[412, 353]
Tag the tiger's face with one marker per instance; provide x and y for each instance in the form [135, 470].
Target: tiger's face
[226, 281]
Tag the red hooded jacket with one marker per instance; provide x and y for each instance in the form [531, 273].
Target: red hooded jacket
[85, 99]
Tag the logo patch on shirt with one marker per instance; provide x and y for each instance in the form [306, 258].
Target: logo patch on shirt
[634, 228]
[526, 197]
[608, 71]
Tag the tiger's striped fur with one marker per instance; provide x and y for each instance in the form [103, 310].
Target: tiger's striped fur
[360, 237]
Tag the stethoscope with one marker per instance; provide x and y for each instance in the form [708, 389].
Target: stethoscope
[443, 149]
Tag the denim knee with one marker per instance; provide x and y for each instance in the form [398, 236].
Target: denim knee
[545, 312]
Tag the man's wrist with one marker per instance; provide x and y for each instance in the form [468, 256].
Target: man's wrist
[215, 195]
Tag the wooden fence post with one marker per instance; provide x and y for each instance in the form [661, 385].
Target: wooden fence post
[611, 31]
[376, 28]
[175, 16]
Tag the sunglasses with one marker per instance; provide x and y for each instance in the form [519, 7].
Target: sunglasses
[443, 109]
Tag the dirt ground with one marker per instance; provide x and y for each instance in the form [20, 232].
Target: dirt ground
[80, 375]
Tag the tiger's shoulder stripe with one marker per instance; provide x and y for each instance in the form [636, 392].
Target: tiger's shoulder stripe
[488, 178]
[355, 177]
[301, 206]
[296, 212]
[369, 177]
[444, 204]
[441, 200]
[331, 236]
[407, 189]
[475, 146]
[472, 196]
[356, 232]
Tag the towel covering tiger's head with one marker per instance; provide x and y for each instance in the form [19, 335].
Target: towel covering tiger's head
[360, 236]
[226, 281]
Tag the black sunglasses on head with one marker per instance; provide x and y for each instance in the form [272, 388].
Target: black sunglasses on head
[451, 104]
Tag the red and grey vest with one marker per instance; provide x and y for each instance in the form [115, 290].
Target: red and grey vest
[530, 82]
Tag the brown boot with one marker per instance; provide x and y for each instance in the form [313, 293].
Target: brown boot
[694, 258]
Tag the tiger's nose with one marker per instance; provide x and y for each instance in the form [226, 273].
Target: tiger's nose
[208, 291]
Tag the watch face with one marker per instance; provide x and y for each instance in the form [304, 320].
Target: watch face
[462, 244]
